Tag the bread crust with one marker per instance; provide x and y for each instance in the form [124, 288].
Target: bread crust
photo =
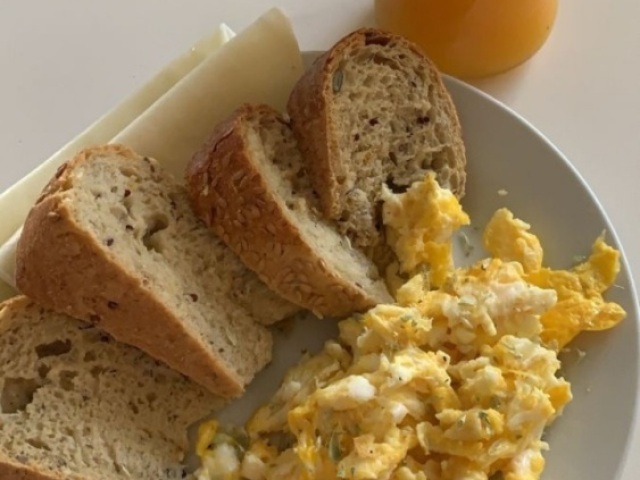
[10, 470]
[230, 195]
[314, 128]
[65, 269]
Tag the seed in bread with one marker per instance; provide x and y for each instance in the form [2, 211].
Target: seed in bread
[113, 241]
[250, 183]
[76, 404]
[373, 111]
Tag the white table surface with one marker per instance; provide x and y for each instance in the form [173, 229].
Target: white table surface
[65, 62]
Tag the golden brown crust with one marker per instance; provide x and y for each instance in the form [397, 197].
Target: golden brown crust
[314, 128]
[62, 267]
[13, 471]
[229, 193]
[307, 108]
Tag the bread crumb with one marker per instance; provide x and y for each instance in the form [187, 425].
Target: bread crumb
[502, 192]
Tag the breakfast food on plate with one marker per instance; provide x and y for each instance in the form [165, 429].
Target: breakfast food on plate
[113, 241]
[76, 404]
[455, 374]
[452, 381]
[373, 112]
[250, 183]
[370, 117]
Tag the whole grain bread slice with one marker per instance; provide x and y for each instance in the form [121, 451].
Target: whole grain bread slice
[76, 404]
[250, 183]
[373, 112]
[113, 241]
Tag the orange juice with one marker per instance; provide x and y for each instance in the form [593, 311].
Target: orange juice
[471, 38]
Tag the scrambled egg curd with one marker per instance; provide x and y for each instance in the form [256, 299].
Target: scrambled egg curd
[456, 380]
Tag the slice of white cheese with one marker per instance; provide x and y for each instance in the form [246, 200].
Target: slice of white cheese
[17, 200]
[260, 65]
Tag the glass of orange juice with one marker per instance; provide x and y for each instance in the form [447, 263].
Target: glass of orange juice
[471, 38]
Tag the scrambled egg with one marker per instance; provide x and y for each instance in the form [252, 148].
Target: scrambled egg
[420, 224]
[456, 380]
